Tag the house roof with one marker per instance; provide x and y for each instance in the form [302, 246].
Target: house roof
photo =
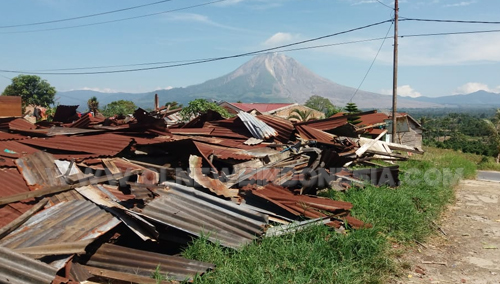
[261, 107]
[374, 117]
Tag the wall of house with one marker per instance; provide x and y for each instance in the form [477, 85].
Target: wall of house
[10, 106]
[412, 138]
[286, 112]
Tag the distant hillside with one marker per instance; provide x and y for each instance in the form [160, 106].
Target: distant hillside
[276, 78]
[476, 99]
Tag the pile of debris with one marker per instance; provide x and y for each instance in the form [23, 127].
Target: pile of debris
[107, 200]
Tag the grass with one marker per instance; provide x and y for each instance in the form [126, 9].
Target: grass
[319, 255]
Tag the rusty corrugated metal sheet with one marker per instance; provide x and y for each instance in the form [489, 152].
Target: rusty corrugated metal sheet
[144, 263]
[326, 124]
[16, 268]
[223, 152]
[69, 221]
[214, 185]
[301, 204]
[310, 133]
[20, 124]
[12, 150]
[11, 136]
[198, 213]
[284, 127]
[191, 131]
[13, 184]
[39, 170]
[91, 146]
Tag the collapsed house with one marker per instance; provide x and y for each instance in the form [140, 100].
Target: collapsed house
[104, 200]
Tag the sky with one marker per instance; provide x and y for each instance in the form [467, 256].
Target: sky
[428, 66]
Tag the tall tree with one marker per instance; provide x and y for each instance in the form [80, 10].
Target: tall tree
[351, 111]
[93, 105]
[201, 106]
[120, 108]
[494, 126]
[322, 104]
[32, 89]
[301, 115]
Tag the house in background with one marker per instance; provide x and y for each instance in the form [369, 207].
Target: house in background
[283, 110]
[409, 130]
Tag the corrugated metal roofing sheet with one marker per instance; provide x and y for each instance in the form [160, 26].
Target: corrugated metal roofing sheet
[21, 124]
[257, 127]
[13, 184]
[11, 136]
[310, 133]
[100, 145]
[39, 170]
[326, 124]
[198, 213]
[283, 126]
[300, 204]
[144, 263]
[11, 150]
[223, 152]
[70, 221]
[16, 268]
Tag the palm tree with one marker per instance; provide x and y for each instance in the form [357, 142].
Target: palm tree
[494, 126]
[301, 115]
[93, 105]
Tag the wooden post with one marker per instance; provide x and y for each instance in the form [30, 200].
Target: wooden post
[395, 73]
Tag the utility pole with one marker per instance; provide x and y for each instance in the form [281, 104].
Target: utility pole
[395, 72]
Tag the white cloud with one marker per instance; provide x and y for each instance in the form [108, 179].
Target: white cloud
[198, 18]
[280, 39]
[472, 87]
[163, 88]
[404, 91]
[101, 90]
[460, 4]
[449, 50]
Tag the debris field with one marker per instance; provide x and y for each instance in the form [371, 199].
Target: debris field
[108, 200]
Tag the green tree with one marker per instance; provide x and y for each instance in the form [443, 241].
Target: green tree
[322, 104]
[301, 115]
[173, 105]
[351, 111]
[201, 106]
[494, 126]
[93, 105]
[32, 89]
[120, 108]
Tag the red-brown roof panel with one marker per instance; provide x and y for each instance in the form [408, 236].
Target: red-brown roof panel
[100, 145]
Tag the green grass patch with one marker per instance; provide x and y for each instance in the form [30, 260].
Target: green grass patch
[314, 255]
[319, 255]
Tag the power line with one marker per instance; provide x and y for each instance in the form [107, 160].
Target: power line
[448, 21]
[5, 77]
[451, 33]
[371, 65]
[117, 20]
[199, 61]
[382, 3]
[85, 16]
[205, 60]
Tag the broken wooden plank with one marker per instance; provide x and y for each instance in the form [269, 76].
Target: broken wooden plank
[367, 146]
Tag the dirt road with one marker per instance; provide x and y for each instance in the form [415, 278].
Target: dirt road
[470, 250]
